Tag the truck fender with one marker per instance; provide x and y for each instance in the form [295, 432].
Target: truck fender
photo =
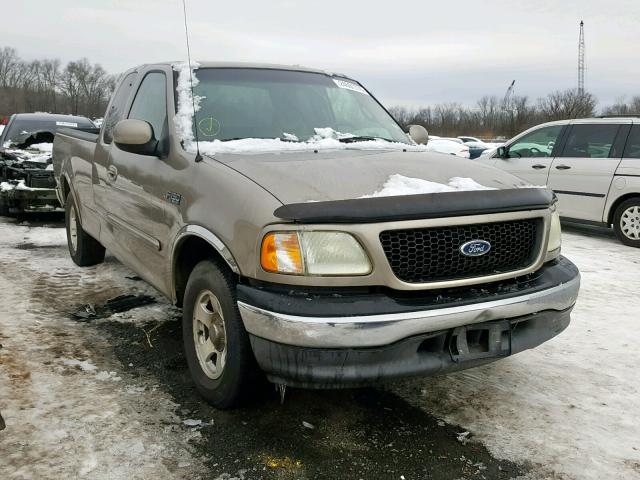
[211, 238]
[64, 177]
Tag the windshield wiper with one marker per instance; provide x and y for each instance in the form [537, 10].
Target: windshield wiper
[363, 138]
[259, 138]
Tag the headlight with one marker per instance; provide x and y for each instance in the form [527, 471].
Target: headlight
[313, 253]
[555, 240]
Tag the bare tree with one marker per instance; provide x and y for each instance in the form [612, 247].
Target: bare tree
[565, 104]
[43, 85]
[622, 107]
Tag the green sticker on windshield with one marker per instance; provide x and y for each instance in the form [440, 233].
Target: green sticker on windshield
[209, 127]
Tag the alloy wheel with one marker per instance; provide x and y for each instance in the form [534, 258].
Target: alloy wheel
[209, 335]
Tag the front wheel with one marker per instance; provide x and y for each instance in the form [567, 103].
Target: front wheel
[216, 344]
[626, 222]
[83, 248]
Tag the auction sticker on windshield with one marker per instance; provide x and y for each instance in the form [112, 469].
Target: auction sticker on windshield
[349, 85]
[67, 124]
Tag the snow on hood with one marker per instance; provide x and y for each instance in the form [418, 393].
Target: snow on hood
[443, 145]
[401, 185]
[38, 155]
[298, 177]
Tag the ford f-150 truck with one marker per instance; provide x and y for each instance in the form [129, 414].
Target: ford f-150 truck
[305, 235]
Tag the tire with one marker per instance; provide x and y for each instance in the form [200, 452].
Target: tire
[227, 374]
[83, 248]
[626, 222]
[4, 207]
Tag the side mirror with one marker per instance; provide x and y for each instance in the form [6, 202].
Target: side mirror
[135, 136]
[419, 134]
[501, 152]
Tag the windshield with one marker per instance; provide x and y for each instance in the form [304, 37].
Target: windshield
[260, 103]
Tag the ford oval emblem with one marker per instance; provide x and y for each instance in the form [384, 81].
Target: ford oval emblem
[475, 248]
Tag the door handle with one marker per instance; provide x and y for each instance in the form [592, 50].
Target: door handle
[112, 172]
[538, 166]
[563, 167]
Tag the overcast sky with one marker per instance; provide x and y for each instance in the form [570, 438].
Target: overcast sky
[412, 52]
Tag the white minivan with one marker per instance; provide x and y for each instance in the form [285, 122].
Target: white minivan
[593, 165]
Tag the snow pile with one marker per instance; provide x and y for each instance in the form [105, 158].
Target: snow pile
[42, 147]
[324, 139]
[400, 185]
[443, 145]
[188, 104]
[40, 154]
[17, 185]
[84, 365]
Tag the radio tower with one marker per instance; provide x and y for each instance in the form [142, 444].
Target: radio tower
[581, 60]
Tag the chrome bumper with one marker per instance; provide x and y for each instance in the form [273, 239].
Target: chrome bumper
[378, 330]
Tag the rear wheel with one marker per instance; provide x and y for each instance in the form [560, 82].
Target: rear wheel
[626, 222]
[4, 207]
[83, 248]
[216, 344]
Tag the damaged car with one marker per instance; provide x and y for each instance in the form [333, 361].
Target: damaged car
[27, 183]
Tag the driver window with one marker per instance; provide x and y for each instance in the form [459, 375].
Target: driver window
[150, 103]
[539, 143]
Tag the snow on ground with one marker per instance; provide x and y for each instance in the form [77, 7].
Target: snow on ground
[571, 405]
[1, 129]
[401, 185]
[71, 411]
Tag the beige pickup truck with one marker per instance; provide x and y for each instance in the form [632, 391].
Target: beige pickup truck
[305, 235]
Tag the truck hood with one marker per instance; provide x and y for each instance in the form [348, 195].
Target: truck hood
[298, 177]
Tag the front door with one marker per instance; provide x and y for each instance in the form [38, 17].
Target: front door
[136, 220]
[530, 156]
[582, 173]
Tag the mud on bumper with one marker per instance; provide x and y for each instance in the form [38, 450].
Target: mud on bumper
[340, 340]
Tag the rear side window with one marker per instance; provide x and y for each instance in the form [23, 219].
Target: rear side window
[590, 141]
[632, 150]
[117, 108]
[150, 103]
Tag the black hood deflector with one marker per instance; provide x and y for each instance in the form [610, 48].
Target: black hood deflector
[416, 207]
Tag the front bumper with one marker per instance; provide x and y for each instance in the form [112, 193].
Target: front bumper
[318, 340]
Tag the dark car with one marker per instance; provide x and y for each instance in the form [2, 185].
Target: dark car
[26, 176]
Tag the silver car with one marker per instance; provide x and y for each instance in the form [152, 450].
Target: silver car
[593, 165]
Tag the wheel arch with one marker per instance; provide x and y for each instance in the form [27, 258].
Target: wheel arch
[192, 245]
[617, 203]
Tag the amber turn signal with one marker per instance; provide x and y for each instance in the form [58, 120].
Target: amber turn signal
[281, 253]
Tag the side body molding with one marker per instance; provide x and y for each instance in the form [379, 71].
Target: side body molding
[209, 237]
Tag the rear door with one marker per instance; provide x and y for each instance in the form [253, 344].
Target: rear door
[530, 156]
[582, 173]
